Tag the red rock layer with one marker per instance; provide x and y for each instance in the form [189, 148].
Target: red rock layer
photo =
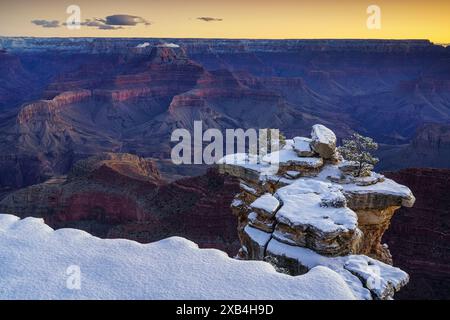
[48, 108]
[123, 196]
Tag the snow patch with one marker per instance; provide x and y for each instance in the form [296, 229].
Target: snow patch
[168, 45]
[267, 203]
[34, 260]
[143, 45]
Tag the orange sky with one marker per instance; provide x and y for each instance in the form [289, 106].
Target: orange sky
[400, 19]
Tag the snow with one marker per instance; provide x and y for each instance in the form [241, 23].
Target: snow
[311, 259]
[238, 159]
[306, 185]
[35, 258]
[249, 162]
[382, 279]
[290, 157]
[293, 174]
[267, 203]
[303, 206]
[306, 210]
[322, 134]
[252, 216]
[260, 237]
[302, 144]
[237, 203]
[386, 187]
[143, 45]
[248, 189]
[168, 45]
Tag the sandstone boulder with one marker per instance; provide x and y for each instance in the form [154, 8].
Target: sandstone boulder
[323, 141]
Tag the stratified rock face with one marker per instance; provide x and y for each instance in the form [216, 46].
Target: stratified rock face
[123, 196]
[170, 54]
[299, 212]
[419, 236]
[47, 109]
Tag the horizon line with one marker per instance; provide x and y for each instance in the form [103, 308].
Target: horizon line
[221, 38]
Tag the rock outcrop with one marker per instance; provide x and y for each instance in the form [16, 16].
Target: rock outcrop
[323, 141]
[299, 208]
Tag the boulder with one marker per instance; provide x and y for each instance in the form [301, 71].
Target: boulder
[323, 141]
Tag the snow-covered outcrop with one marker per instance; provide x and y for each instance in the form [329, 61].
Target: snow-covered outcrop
[300, 208]
[38, 262]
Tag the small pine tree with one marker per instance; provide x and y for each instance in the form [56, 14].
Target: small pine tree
[357, 149]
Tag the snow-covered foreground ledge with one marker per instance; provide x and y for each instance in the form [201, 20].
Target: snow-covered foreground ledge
[37, 262]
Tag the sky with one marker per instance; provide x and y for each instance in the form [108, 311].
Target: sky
[262, 19]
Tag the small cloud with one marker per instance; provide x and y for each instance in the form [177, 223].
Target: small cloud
[209, 19]
[46, 23]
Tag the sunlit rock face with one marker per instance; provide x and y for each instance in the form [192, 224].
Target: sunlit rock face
[308, 211]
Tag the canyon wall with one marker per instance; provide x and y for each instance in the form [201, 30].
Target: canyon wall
[419, 236]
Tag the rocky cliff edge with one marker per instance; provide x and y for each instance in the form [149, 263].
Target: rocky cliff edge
[300, 207]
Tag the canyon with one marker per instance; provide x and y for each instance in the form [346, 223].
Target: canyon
[134, 97]
[85, 130]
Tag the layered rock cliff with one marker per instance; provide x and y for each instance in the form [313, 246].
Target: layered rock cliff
[419, 237]
[300, 207]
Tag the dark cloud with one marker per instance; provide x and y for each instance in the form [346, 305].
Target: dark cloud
[99, 24]
[108, 27]
[46, 23]
[125, 20]
[209, 19]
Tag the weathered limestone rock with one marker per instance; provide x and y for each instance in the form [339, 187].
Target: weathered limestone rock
[323, 141]
[298, 212]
